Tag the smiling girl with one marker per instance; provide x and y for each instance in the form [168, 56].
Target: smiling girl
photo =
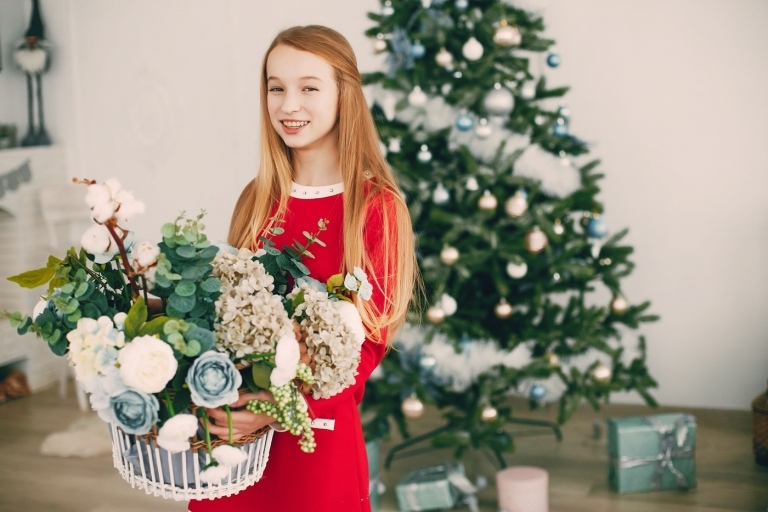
[320, 159]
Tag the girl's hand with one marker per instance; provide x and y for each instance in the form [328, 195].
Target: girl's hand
[244, 422]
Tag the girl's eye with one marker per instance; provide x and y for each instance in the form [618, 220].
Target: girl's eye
[275, 89]
[310, 88]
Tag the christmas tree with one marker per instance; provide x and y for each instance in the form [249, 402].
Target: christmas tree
[522, 274]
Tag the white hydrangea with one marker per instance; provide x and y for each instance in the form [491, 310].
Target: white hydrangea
[251, 318]
[330, 341]
[93, 347]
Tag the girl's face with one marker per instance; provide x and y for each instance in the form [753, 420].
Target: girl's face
[302, 98]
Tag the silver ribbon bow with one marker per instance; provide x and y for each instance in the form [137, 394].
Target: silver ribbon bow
[671, 442]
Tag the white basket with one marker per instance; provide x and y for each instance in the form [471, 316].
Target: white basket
[145, 465]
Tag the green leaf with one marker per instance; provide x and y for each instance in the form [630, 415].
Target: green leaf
[154, 327]
[205, 338]
[91, 311]
[193, 348]
[181, 400]
[137, 315]
[195, 272]
[185, 288]
[335, 281]
[74, 317]
[186, 252]
[261, 373]
[34, 278]
[181, 375]
[180, 303]
[272, 251]
[58, 343]
[81, 290]
[211, 285]
[70, 306]
[168, 230]
[209, 253]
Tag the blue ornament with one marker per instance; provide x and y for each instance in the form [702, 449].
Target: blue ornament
[597, 228]
[553, 60]
[427, 362]
[538, 392]
[417, 50]
[462, 4]
[464, 122]
[560, 129]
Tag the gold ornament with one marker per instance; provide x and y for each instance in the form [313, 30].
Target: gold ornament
[503, 309]
[536, 240]
[552, 359]
[507, 35]
[435, 314]
[487, 201]
[601, 374]
[619, 305]
[559, 229]
[489, 414]
[516, 205]
[444, 58]
[449, 255]
[412, 407]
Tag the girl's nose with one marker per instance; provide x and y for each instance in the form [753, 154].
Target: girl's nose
[291, 103]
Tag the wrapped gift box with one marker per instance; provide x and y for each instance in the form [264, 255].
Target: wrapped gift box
[429, 488]
[650, 453]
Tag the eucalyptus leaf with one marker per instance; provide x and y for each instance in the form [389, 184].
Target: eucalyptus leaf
[185, 288]
[211, 285]
[186, 251]
[181, 303]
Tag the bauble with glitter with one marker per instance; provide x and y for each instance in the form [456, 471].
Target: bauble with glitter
[412, 407]
[499, 102]
[516, 205]
[449, 255]
[536, 240]
[487, 201]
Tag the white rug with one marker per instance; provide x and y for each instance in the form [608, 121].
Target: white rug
[87, 437]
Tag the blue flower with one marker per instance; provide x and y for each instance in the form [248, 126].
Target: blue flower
[134, 412]
[213, 380]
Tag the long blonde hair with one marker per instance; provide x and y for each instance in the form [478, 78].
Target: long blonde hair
[359, 152]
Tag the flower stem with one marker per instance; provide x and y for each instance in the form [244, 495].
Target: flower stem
[229, 422]
[169, 402]
[207, 433]
[124, 258]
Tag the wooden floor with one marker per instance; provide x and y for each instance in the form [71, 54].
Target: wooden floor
[727, 475]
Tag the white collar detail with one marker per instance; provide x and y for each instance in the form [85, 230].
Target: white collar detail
[307, 192]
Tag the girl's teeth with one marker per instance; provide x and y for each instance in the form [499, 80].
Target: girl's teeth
[294, 124]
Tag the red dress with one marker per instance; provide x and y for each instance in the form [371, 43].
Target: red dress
[335, 477]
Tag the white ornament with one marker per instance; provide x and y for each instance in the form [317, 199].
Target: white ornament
[440, 195]
[388, 104]
[424, 154]
[444, 58]
[507, 35]
[412, 407]
[602, 374]
[472, 49]
[517, 270]
[499, 102]
[489, 414]
[536, 240]
[483, 129]
[394, 145]
[472, 184]
[516, 205]
[387, 10]
[435, 314]
[448, 304]
[619, 305]
[503, 309]
[417, 97]
[528, 91]
[426, 4]
[449, 255]
[487, 201]
[379, 44]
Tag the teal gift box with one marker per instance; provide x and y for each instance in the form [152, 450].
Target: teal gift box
[651, 453]
[375, 487]
[428, 489]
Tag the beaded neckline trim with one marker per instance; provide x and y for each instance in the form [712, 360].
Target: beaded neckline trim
[307, 192]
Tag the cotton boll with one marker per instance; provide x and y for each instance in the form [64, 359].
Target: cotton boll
[227, 455]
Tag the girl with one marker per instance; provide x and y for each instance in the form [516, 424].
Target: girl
[321, 159]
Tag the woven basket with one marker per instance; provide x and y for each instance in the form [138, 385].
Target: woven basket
[760, 428]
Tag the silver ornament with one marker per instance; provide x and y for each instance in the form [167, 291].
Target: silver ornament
[619, 305]
[601, 374]
[516, 205]
[503, 309]
[483, 129]
[472, 49]
[417, 97]
[444, 58]
[412, 407]
[507, 35]
[387, 9]
[462, 4]
[440, 195]
[424, 155]
[489, 414]
[536, 240]
[435, 314]
[449, 255]
[517, 270]
[499, 102]
[528, 91]
[487, 201]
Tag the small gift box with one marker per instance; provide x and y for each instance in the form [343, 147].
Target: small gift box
[429, 488]
[650, 453]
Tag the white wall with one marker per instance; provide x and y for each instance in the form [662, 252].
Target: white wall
[163, 95]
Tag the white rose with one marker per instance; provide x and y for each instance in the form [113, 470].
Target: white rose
[147, 364]
[227, 455]
[350, 282]
[175, 433]
[351, 318]
[287, 356]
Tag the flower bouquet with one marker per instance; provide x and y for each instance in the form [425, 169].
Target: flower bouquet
[157, 333]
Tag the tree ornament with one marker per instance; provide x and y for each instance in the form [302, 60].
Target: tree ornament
[558, 228]
[517, 270]
[472, 49]
[487, 201]
[457, 74]
[483, 129]
[597, 227]
[619, 304]
[538, 392]
[412, 407]
[417, 50]
[507, 35]
[417, 97]
[435, 314]
[489, 414]
[444, 58]
[440, 195]
[516, 205]
[560, 128]
[499, 102]
[388, 104]
[427, 362]
[552, 359]
[564, 112]
[424, 155]
[448, 304]
[503, 309]
[379, 44]
[464, 122]
[462, 4]
[426, 4]
[449, 255]
[536, 240]
[601, 374]
[472, 184]
[553, 60]
[528, 91]
[387, 9]
[394, 145]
